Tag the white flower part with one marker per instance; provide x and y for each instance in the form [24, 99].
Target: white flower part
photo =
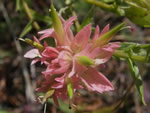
[33, 53]
[99, 61]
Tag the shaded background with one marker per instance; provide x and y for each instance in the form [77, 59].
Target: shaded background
[18, 79]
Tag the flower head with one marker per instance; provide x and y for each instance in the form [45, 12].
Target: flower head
[71, 64]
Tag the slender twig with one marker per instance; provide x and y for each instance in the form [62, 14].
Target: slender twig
[27, 10]
[101, 4]
[77, 25]
[122, 54]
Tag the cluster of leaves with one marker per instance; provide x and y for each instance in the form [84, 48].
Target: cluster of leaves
[34, 17]
[137, 11]
[132, 53]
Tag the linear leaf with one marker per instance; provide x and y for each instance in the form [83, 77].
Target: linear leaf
[27, 29]
[137, 78]
[88, 19]
[18, 5]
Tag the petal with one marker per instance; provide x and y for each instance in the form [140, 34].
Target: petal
[64, 58]
[105, 30]
[76, 83]
[69, 22]
[81, 39]
[50, 52]
[47, 73]
[57, 85]
[55, 100]
[45, 44]
[96, 81]
[79, 68]
[36, 40]
[107, 51]
[32, 54]
[72, 72]
[86, 51]
[68, 33]
[61, 70]
[60, 79]
[96, 34]
[47, 33]
[61, 19]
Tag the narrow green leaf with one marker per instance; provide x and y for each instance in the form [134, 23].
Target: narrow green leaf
[85, 60]
[88, 19]
[39, 17]
[27, 29]
[70, 90]
[137, 78]
[18, 5]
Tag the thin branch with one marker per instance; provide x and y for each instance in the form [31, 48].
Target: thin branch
[27, 10]
[122, 54]
[101, 4]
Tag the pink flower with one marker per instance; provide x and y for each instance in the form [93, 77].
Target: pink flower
[71, 64]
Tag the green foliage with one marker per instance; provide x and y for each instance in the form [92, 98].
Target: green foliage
[33, 15]
[41, 18]
[140, 52]
[18, 5]
[137, 78]
[137, 11]
[88, 19]
[27, 29]
[134, 52]
[62, 106]
[2, 111]
[108, 1]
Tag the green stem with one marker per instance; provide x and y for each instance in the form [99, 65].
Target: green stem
[27, 9]
[122, 54]
[101, 4]
[77, 25]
